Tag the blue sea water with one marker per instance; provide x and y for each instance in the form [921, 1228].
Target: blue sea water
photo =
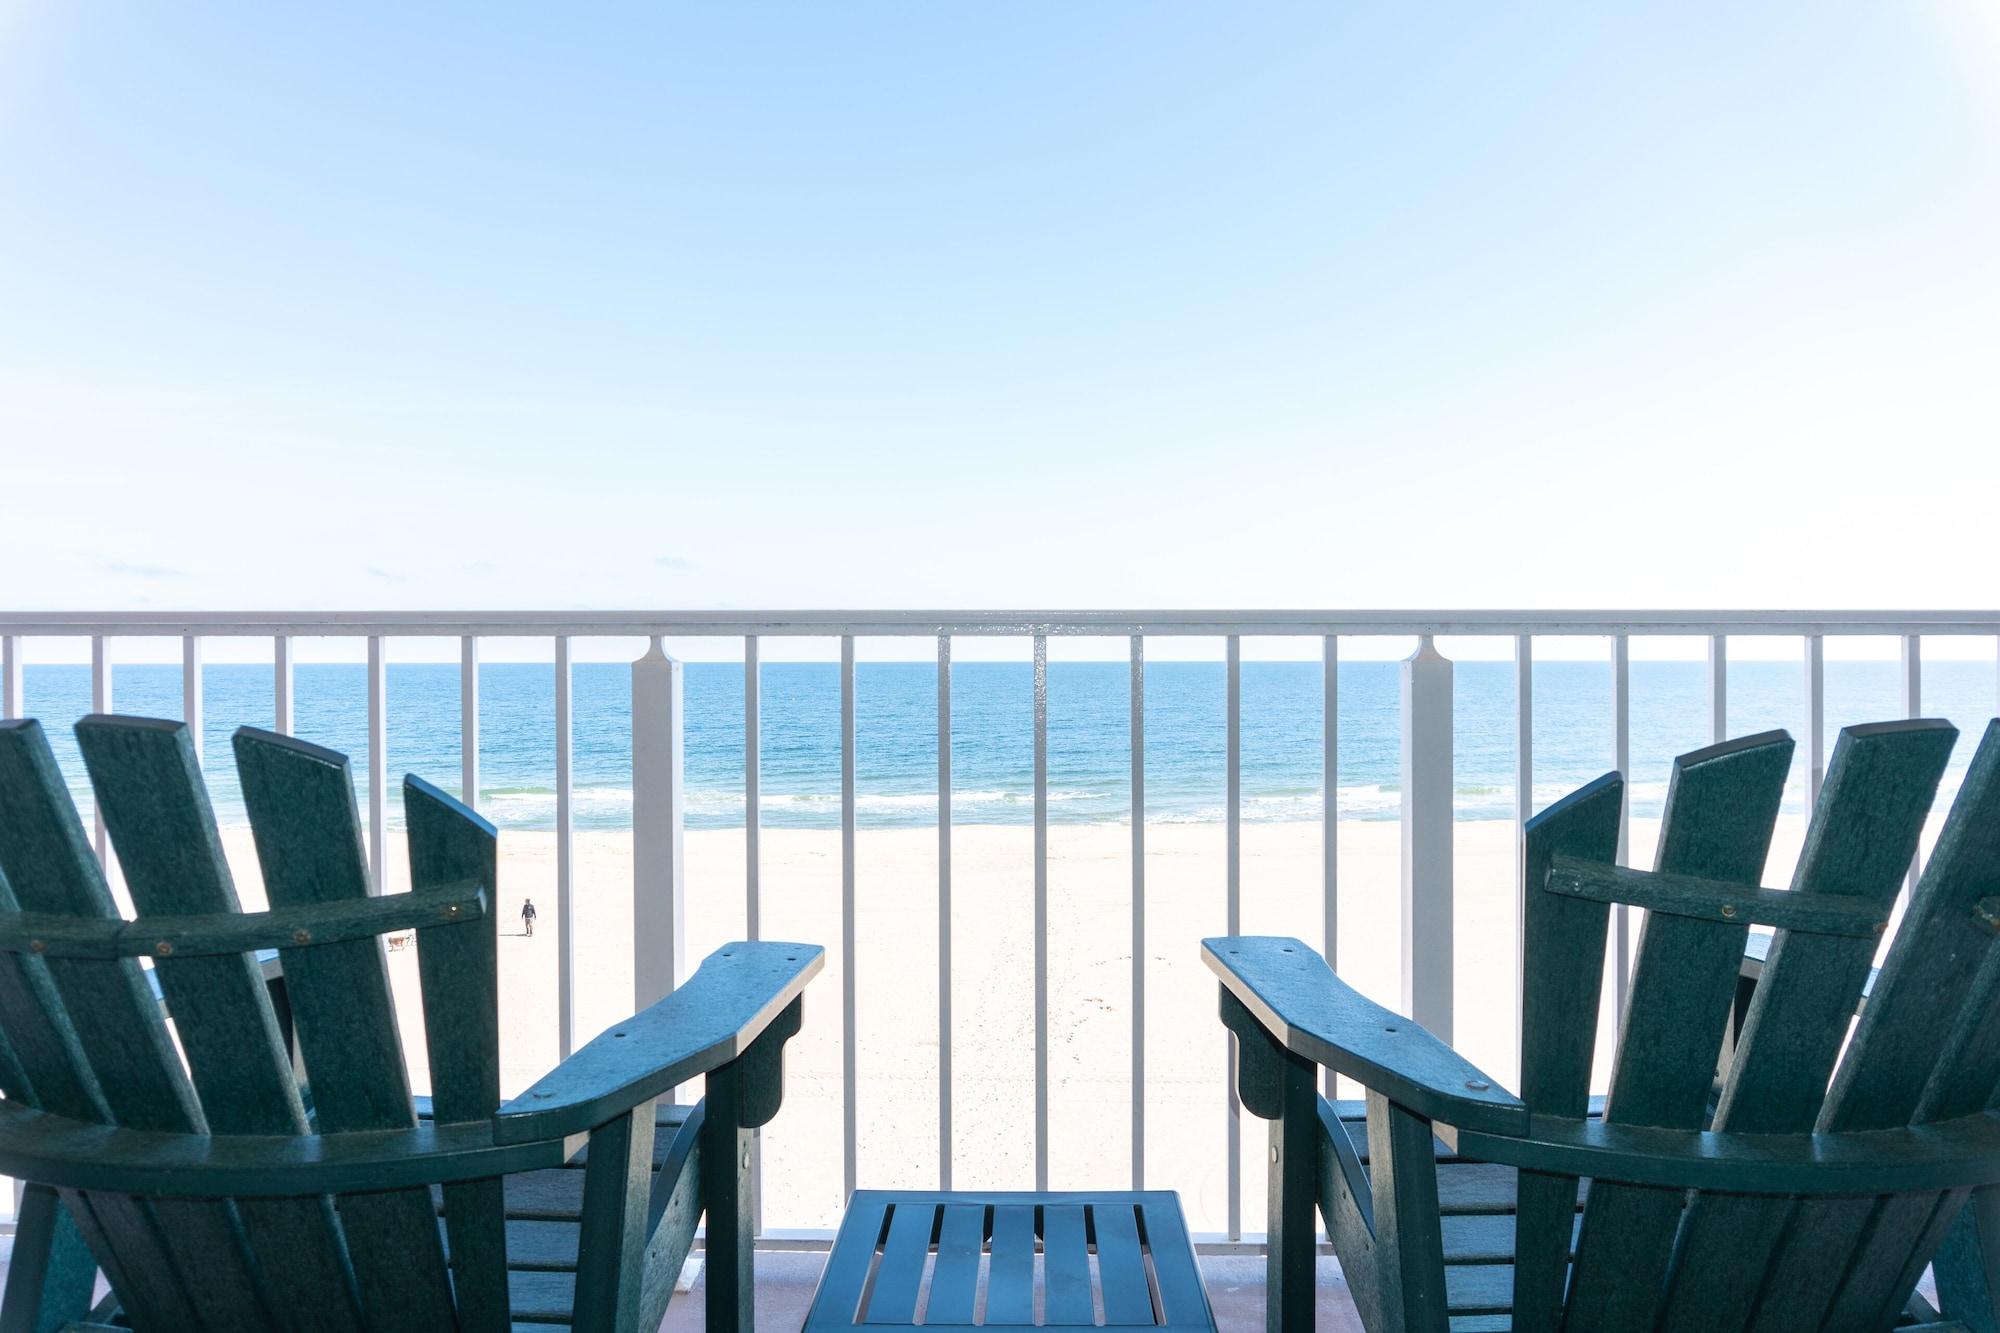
[992, 733]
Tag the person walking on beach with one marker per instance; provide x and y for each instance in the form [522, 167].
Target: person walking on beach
[528, 916]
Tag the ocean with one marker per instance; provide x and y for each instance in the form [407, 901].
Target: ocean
[992, 733]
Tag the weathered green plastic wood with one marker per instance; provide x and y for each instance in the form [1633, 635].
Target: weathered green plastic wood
[1289, 1099]
[617, 1185]
[1722, 805]
[541, 1229]
[155, 807]
[955, 1279]
[50, 1270]
[1066, 1294]
[214, 935]
[1862, 838]
[1291, 993]
[1121, 1265]
[300, 798]
[733, 996]
[1806, 1213]
[1902, 1044]
[901, 1271]
[874, 1277]
[1662, 894]
[1558, 1027]
[458, 963]
[110, 1007]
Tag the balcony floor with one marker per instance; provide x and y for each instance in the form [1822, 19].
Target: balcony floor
[785, 1281]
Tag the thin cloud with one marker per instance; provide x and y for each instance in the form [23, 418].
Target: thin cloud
[136, 570]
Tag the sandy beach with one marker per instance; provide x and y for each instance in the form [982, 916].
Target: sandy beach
[992, 985]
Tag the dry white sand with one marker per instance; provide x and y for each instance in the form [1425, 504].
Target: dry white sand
[1090, 986]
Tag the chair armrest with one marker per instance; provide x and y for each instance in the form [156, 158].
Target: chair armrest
[1288, 989]
[733, 996]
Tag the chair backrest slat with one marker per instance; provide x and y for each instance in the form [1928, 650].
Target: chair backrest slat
[300, 798]
[1722, 805]
[1861, 840]
[459, 964]
[1901, 1045]
[1558, 1028]
[116, 1022]
[156, 809]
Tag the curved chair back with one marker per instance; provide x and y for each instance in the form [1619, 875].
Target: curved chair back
[197, 1048]
[1701, 1049]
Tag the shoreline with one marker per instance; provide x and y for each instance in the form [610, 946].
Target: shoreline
[992, 1000]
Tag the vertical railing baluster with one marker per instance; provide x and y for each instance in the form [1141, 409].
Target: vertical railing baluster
[1329, 812]
[753, 788]
[1912, 679]
[565, 853]
[849, 1028]
[1815, 723]
[378, 766]
[468, 721]
[11, 676]
[1524, 798]
[753, 864]
[1621, 759]
[191, 690]
[1138, 725]
[1718, 688]
[944, 907]
[281, 684]
[1232, 840]
[101, 701]
[1427, 838]
[659, 904]
[1041, 911]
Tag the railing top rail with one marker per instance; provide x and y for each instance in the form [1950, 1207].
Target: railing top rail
[698, 623]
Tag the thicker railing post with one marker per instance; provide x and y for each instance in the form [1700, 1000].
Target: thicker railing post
[468, 721]
[1427, 836]
[378, 766]
[659, 905]
[191, 690]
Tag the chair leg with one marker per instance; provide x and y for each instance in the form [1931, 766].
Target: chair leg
[1291, 1261]
[726, 1190]
[611, 1247]
[1407, 1231]
[52, 1272]
[1968, 1264]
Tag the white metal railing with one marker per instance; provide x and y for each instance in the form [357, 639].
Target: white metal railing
[658, 791]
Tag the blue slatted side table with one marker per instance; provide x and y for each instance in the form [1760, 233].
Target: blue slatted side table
[1069, 1259]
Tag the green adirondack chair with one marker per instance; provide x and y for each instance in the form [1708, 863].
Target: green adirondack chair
[1793, 1187]
[274, 1171]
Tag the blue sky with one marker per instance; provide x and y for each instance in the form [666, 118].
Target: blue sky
[998, 304]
